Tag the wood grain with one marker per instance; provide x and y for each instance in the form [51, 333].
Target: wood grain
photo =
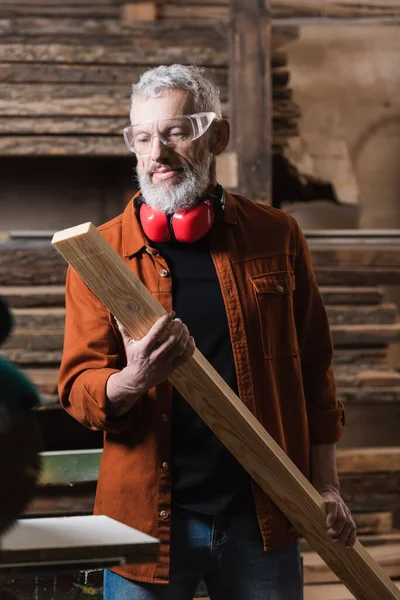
[362, 460]
[33, 296]
[134, 306]
[151, 54]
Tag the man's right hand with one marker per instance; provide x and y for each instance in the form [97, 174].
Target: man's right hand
[150, 361]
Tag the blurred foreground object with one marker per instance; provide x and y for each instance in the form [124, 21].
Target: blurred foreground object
[19, 435]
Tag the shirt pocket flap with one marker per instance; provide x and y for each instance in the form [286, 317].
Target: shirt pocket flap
[281, 282]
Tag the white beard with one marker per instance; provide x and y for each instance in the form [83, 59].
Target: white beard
[170, 197]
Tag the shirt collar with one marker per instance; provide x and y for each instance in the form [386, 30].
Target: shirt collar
[133, 238]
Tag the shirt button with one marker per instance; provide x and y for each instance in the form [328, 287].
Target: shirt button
[163, 273]
[280, 288]
[164, 417]
[164, 515]
[165, 466]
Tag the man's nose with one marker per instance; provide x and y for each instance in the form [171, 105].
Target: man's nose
[158, 149]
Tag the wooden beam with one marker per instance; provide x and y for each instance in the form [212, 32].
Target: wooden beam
[251, 98]
[361, 256]
[130, 301]
[29, 296]
[383, 314]
[30, 265]
[42, 145]
[328, 276]
[378, 523]
[364, 460]
[378, 396]
[351, 295]
[140, 53]
[22, 356]
[365, 335]
[371, 492]
[41, 319]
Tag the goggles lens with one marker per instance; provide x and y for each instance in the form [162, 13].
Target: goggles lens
[174, 132]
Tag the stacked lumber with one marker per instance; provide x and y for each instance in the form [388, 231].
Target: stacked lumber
[363, 324]
[66, 70]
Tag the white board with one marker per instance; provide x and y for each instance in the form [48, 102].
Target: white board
[74, 540]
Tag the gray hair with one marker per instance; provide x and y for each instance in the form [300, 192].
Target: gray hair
[155, 81]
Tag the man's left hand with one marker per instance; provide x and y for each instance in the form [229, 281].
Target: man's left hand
[339, 522]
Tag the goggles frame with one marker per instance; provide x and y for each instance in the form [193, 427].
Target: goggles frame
[196, 123]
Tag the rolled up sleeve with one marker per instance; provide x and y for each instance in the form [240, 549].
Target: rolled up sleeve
[324, 411]
[93, 351]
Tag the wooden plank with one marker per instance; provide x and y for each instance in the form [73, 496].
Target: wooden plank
[375, 378]
[22, 356]
[371, 492]
[10, 10]
[365, 335]
[40, 319]
[68, 99]
[33, 296]
[153, 53]
[84, 145]
[366, 376]
[30, 265]
[361, 356]
[363, 396]
[250, 70]
[62, 125]
[357, 276]
[334, 591]
[52, 541]
[362, 256]
[362, 460]
[379, 523]
[351, 295]
[316, 571]
[222, 410]
[43, 341]
[382, 314]
[104, 74]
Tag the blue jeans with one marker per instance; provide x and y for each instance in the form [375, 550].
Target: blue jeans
[224, 551]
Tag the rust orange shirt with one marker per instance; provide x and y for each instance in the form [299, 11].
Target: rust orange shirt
[282, 351]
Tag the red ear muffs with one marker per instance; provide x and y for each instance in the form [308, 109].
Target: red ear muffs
[155, 224]
[183, 226]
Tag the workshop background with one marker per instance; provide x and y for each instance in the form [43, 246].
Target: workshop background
[316, 132]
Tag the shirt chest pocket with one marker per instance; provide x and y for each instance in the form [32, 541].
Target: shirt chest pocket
[274, 299]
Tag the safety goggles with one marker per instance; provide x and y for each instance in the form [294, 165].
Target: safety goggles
[174, 132]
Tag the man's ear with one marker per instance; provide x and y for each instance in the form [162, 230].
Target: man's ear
[220, 136]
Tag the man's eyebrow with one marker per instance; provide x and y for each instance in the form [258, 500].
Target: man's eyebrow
[140, 129]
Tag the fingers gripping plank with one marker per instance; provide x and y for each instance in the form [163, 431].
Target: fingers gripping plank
[110, 278]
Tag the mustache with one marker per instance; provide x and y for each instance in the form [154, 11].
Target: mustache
[163, 167]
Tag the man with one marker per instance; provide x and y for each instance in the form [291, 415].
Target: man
[236, 277]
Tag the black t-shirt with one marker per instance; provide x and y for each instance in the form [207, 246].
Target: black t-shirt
[206, 477]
